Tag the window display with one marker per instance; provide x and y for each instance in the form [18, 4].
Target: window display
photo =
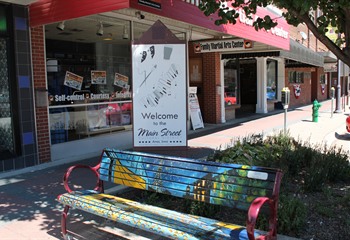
[89, 85]
[231, 83]
[271, 80]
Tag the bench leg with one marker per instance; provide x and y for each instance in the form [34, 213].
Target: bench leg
[64, 223]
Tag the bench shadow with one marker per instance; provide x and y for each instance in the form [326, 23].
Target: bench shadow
[306, 120]
[344, 136]
[85, 226]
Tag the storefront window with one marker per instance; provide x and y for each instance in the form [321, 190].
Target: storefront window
[3, 20]
[89, 78]
[296, 76]
[271, 80]
[231, 83]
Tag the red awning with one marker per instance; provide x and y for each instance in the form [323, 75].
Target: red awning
[44, 12]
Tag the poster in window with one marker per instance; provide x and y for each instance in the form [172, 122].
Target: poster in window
[121, 81]
[195, 70]
[98, 77]
[73, 80]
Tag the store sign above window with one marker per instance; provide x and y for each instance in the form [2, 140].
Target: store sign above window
[154, 3]
[228, 45]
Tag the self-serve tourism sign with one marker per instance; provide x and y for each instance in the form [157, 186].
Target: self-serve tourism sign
[159, 95]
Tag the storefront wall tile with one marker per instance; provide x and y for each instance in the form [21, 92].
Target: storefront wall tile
[19, 139]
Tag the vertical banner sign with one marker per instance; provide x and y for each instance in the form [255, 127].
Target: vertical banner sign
[159, 84]
[297, 90]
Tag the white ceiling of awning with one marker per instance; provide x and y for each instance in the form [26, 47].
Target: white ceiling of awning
[329, 57]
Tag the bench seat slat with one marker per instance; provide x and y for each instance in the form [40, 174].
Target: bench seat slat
[183, 163]
[212, 188]
[241, 201]
[171, 175]
[184, 185]
[164, 222]
[149, 157]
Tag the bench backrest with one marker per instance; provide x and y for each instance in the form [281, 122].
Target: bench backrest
[218, 183]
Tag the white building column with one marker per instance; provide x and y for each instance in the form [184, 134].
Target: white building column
[222, 91]
[261, 70]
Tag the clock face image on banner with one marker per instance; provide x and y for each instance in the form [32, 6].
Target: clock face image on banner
[159, 95]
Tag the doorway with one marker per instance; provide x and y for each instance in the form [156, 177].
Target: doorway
[248, 79]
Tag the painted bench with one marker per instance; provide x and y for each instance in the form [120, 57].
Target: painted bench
[232, 185]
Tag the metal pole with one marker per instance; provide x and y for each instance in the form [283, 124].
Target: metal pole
[285, 120]
[332, 107]
[338, 103]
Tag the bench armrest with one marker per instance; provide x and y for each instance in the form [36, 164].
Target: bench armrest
[253, 213]
[99, 183]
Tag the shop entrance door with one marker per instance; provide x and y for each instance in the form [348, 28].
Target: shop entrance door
[248, 78]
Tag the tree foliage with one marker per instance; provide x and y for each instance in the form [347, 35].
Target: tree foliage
[317, 15]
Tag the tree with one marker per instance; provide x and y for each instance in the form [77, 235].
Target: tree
[335, 13]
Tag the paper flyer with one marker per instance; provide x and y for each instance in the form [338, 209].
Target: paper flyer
[72, 80]
[98, 77]
[121, 81]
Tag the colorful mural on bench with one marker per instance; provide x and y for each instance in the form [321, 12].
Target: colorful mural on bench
[208, 183]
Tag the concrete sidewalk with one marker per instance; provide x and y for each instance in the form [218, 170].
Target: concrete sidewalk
[28, 209]
[328, 130]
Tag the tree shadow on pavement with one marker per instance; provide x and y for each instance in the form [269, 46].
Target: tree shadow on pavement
[28, 206]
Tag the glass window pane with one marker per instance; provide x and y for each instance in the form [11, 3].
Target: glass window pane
[89, 77]
[71, 123]
[6, 126]
[271, 80]
[231, 83]
[3, 22]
